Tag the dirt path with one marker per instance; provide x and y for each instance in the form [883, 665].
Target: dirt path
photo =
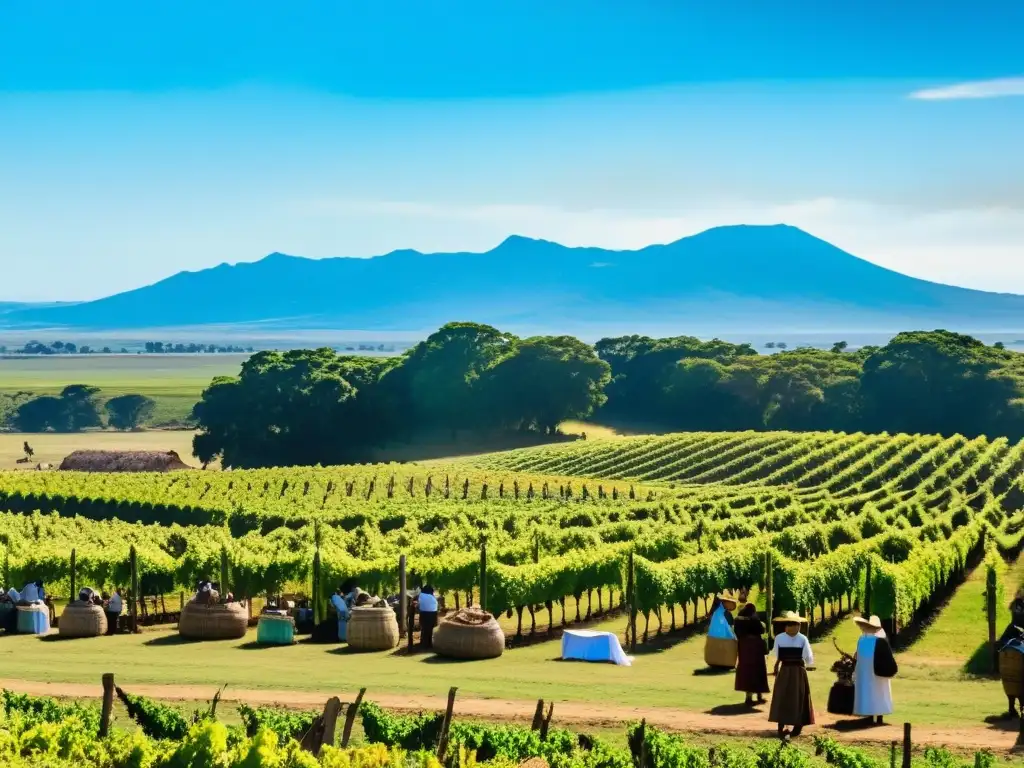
[729, 721]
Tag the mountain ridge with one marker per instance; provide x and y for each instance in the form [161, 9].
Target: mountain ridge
[762, 276]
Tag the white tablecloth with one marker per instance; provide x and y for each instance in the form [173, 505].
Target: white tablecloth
[586, 645]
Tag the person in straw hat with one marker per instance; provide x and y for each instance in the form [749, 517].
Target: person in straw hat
[872, 686]
[791, 701]
[721, 617]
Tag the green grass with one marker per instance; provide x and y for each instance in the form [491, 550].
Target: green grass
[663, 675]
[175, 382]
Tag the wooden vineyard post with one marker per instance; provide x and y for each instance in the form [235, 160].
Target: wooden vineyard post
[224, 575]
[446, 724]
[350, 717]
[547, 722]
[108, 704]
[866, 608]
[892, 755]
[403, 600]
[769, 599]
[907, 746]
[538, 716]
[133, 560]
[631, 603]
[990, 610]
[316, 589]
[483, 574]
[74, 591]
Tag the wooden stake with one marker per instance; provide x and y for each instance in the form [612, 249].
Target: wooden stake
[133, 559]
[631, 588]
[907, 747]
[769, 595]
[547, 722]
[350, 717]
[403, 601]
[483, 574]
[990, 609]
[538, 716]
[446, 724]
[74, 592]
[867, 592]
[108, 704]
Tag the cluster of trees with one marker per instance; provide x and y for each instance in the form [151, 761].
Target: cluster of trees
[315, 406]
[928, 382]
[58, 348]
[160, 348]
[77, 407]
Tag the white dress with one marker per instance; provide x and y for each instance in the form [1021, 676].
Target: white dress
[872, 695]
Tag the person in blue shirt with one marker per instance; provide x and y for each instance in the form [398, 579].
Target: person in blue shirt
[427, 604]
[342, 609]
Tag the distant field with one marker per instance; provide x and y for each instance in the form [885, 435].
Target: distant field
[52, 448]
[175, 382]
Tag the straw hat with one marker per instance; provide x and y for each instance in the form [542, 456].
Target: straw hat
[727, 598]
[789, 617]
[873, 623]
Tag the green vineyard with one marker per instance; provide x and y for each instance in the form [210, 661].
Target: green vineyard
[827, 518]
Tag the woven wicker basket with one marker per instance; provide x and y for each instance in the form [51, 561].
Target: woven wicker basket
[82, 620]
[33, 619]
[372, 629]
[216, 621]
[469, 634]
[275, 630]
[720, 652]
[1011, 672]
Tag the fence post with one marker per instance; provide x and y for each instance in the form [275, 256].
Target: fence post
[350, 716]
[403, 601]
[446, 724]
[74, 580]
[631, 588]
[108, 704]
[769, 601]
[483, 574]
[866, 609]
[907, 746]
[990, 609]
[133, 559]
[538, 716]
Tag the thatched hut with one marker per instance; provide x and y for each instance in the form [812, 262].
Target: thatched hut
[123, 461]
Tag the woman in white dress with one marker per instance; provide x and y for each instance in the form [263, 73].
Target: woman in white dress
[872, 693]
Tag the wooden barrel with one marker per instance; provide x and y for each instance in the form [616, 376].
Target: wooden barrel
[214, 621]
[720, 652]
[373, 629]
[275, 630]
[82, 620]
[33, 619]
[1011, 672]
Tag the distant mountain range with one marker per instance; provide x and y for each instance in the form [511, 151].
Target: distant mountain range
[737, 278]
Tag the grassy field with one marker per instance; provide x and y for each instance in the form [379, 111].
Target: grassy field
[52, 448]
[175, 382]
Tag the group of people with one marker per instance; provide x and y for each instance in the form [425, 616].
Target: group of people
[422, 601]
[34, 593]
[791, 705]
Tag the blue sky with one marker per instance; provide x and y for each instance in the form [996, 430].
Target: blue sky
[139, 141]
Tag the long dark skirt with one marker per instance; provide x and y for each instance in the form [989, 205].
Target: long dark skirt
[791, 701]
[751, 669]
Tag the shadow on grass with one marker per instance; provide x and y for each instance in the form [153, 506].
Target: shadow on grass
[169, 640]
[255, 646]
[734, 710]
[980, 662]
[712, 672]
[855, 725]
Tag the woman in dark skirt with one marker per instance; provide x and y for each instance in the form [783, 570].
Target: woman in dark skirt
[791, 701]
[751, 669]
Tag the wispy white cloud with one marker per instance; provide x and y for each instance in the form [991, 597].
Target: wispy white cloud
[977, 89]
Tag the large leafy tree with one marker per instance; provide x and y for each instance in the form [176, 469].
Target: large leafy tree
[545, 380]
[443, 372]
[290, 408]
[129, 411]
[74, 410]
